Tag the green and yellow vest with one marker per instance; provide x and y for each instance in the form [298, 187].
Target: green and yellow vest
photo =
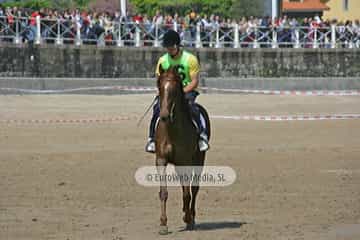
[182, 62]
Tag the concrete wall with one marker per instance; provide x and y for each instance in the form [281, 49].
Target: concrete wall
[87, 61]
[292, 69]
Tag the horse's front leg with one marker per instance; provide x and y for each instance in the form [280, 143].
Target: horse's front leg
[185, 179]
[163, 195]
[188, 219]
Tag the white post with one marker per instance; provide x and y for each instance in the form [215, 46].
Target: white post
[17, 37]
[274, 9]
[351, 44]
[78, 34]
[256, 44]
[333, 36]
[157, 43]
[297, 38]
[175, 27]
[274, 38]
[123, 7]
[315, 43]
[58, 37]
[217, 45]
[38, 30]
[120, 42]
[137, 35]
[198, 36]
[236, 36]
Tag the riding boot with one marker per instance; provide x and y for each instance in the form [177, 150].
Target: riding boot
[203, 140]
[150, 145]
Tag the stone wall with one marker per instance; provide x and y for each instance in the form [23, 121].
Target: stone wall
[111, 62]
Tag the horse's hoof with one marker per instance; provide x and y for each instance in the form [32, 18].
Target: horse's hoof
[163, 230]
[190, 226]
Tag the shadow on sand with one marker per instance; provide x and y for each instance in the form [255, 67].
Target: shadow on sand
[207, 226]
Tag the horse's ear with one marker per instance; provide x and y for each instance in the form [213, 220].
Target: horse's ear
[161, 70]
[158, 81]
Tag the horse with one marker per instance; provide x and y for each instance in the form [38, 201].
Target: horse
[176, 142]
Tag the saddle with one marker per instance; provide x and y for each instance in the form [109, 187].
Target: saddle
[204, 120]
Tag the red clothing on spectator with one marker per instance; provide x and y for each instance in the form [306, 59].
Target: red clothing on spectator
[138, 18]
[314, 24]
[33, 18]
[10, 19]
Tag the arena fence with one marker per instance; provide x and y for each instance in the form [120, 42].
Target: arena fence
[66, 31]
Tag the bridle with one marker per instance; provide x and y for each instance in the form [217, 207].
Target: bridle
[171, 116]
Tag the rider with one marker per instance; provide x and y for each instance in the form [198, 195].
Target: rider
[190, 68]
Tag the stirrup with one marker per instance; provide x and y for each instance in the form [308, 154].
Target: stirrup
[150, 146]
[203, 142]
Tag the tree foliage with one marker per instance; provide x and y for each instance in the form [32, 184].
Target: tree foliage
[35, 4]
[247, 8]
[225, 8]
[183, 6]
[58, 4]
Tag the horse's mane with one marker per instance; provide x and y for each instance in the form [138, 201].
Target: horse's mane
[172, 74]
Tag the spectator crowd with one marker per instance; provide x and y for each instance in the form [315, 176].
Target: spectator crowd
[108, 28]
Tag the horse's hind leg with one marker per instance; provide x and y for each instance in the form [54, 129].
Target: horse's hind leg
[195, 186]
[194, 192]
[188, 219]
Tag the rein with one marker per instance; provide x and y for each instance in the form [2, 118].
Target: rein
[146, 112]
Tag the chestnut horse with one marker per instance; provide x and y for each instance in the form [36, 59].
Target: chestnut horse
[177, 142]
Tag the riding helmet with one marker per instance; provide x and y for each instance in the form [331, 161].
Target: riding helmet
[171, 39]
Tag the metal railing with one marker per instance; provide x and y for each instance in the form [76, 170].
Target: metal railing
[64, 31]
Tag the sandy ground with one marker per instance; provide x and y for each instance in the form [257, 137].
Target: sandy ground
[295, 180]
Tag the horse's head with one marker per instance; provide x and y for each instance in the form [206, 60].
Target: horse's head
[170, 92]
